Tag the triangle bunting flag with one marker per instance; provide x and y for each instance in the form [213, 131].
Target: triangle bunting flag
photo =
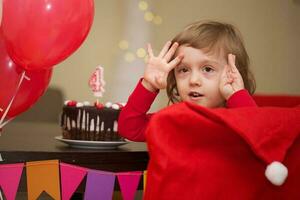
[10, 175]
[99, 185]
[145, 179]
[43, 176]
[129, 182]
[71, 177]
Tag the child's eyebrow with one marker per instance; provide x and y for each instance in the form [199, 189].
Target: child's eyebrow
[204, 61]
[211, 61]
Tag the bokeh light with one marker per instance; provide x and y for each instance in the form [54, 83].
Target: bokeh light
[157, 20]
[129, 57]
[148, 16]
[143, 5]
[141, 53]
[123, 44]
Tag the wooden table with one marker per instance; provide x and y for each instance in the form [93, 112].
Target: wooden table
[27, 141]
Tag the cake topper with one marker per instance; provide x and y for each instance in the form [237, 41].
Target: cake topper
[97, 82]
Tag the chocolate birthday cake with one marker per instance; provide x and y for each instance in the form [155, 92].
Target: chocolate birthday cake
[81, 121]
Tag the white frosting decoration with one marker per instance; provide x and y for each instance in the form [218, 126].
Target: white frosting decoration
[79, 104]
[99, 125]
[93, 126]
[123, 104]
[108, 104]
[66, 102]
[86, 103]
[115, 106]
[276, 173]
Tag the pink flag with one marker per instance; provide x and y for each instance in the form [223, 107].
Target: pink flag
[10, 175]
[70, 176]
[128, 183]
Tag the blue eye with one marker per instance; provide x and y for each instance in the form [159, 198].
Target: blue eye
[207, 69]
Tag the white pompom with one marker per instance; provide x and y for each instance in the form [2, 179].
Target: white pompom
[276, 173]
[108, 104]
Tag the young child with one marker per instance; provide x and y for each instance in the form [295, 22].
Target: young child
[206, 64]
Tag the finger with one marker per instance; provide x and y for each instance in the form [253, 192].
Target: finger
[226, 70]
[149, 49]
[235, 69]
[231, 61]
[171, 51]
[175, 62]
[227, 74]
[223, 76]
[164, 49]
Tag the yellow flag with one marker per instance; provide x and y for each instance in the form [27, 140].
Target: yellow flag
[43, 176]
[145, 178]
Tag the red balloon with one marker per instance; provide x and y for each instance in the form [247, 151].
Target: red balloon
[29, 91]
[39, 34]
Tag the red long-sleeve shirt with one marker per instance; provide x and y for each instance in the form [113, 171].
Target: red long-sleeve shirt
[134, 119]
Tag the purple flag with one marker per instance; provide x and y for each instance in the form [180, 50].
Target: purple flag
[99, 185]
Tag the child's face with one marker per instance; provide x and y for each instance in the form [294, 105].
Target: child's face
[198, 77]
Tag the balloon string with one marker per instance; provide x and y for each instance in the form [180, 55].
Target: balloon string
[11, 101]
[4, 123]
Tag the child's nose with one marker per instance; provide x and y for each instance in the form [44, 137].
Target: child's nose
[195, 79]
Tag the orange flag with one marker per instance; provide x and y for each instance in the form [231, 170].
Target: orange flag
[43, 176]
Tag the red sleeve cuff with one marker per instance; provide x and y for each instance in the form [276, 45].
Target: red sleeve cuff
[142, 98]
[241, 98]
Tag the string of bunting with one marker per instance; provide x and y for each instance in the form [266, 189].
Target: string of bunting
[60, 180]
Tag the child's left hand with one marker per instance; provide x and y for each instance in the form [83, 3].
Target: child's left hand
[231, 79]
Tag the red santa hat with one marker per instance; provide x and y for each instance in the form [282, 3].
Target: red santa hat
[270, 132]
[223, 153]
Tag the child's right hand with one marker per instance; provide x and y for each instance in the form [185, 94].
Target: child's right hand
[158, 68]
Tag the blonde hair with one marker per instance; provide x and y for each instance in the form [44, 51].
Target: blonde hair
[213, 37]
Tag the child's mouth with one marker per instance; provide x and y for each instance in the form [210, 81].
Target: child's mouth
[195, 94]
